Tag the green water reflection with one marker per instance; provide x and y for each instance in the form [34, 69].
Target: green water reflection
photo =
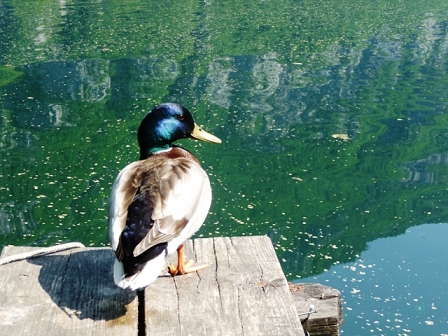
[333, 116]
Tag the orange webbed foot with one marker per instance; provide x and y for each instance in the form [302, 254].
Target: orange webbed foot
[182, 268]
[189, 267]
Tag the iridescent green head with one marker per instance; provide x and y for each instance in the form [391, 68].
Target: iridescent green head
[165, 124]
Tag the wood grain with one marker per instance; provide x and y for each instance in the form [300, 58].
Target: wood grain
[327, 303]
[66, 293]
[243, 291]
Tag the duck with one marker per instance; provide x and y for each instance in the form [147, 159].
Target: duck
[159, 201]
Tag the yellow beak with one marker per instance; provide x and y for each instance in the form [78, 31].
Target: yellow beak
[200, 134]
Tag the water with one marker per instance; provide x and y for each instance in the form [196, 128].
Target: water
[333, 116]
[388, 292]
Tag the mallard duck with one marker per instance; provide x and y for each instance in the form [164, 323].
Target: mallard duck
[159, 201]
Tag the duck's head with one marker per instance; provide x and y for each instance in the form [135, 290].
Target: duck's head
[165, 124]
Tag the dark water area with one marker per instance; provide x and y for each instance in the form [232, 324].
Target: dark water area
[333, 116]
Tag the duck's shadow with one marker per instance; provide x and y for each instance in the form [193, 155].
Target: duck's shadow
[81, 284]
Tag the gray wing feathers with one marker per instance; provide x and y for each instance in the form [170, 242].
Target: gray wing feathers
[180, 193]
[177, 201]
[123, 191]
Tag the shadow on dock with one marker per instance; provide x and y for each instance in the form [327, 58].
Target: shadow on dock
[81, 284]
[65, 293]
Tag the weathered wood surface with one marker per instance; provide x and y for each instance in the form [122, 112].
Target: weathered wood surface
[66, 293]
[326, 301]
[243, 291]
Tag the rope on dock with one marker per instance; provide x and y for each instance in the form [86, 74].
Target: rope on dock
[43, 251]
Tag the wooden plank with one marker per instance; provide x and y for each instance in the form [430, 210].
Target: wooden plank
[326, 301]
[242, 292]
[66, 293]
[25, 309]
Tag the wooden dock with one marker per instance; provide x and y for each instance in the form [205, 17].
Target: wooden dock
[242, 292]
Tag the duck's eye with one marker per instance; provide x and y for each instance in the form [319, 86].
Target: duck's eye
[180, 117]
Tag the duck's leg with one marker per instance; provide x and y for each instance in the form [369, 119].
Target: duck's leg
[183, 268]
